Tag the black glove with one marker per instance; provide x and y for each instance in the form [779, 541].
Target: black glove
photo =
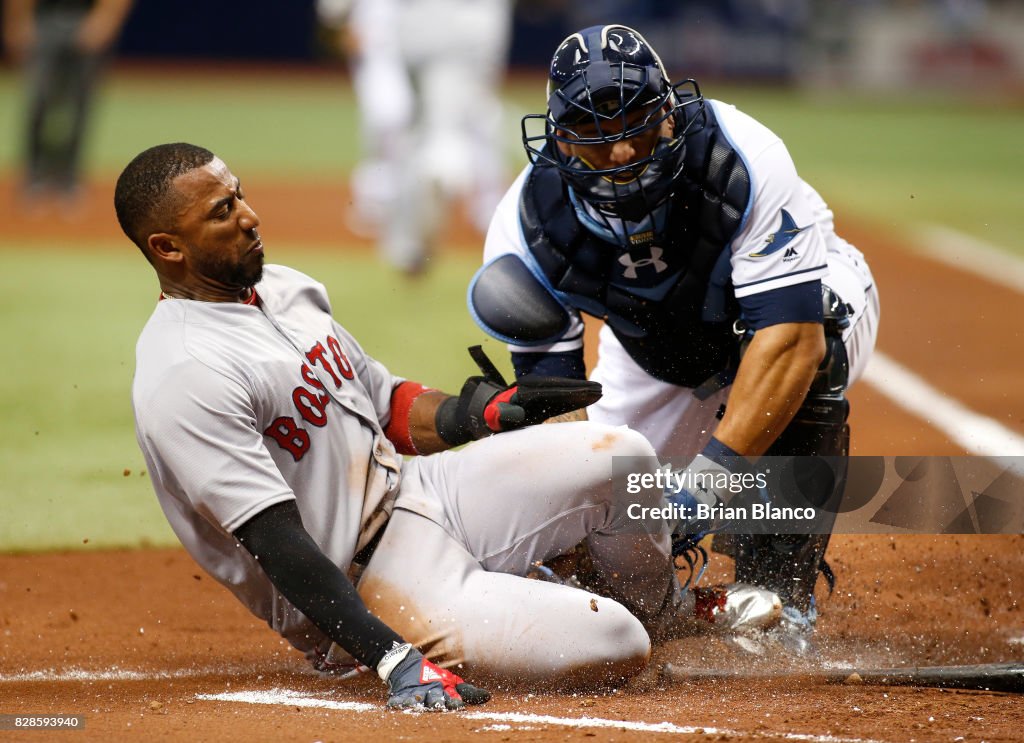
[487, 404]
[413, 681]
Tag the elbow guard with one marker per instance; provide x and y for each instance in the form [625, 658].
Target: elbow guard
[511, 304]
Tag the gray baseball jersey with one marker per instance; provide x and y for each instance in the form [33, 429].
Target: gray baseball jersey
[240, 407]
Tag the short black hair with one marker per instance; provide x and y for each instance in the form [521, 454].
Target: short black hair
[141, 195]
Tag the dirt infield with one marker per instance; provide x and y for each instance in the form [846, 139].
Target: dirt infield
[148, 648]
[133, 640]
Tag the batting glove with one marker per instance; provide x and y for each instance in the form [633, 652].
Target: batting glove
[488, 405]
[415, 682]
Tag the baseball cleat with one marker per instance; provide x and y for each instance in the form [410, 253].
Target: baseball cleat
[736, 607]
[792, 637]
[795, 632]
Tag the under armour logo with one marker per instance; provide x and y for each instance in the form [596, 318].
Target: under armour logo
[631, 265]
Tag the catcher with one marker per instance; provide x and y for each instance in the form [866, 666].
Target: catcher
[735, 317]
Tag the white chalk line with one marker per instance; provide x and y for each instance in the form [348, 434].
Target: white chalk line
[113, 674]
[69, 675]
[297, 699]
[976, 433]
[967, 253]
[287, 697]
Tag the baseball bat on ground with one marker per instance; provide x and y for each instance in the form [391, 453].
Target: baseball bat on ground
[1002, 677]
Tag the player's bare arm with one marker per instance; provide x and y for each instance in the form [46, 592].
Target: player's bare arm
[771, 383]
[102, 24]
[423, 422]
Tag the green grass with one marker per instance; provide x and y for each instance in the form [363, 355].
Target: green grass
[65, 416]
[65, 409]
[270, 125]
[908, 162]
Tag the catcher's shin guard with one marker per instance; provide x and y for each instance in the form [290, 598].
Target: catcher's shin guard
[788, 564]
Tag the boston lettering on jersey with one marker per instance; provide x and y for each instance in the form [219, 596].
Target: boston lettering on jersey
[685, 336]
[311, 401]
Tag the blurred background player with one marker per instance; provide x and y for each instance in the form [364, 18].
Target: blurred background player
[735, 317]
[427, 76]
[63, 45]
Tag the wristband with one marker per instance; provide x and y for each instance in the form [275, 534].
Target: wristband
[397, 431]
[720, 453]
[446, 421]
[391, 659]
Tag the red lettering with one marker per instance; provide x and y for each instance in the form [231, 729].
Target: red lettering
[312, 407]
[340, 359]
[313, 380]
[318, 355]
[289, 437]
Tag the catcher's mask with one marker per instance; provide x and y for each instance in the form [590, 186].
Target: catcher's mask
[607, 84]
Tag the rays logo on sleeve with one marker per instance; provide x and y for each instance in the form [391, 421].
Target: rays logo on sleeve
[780, 238]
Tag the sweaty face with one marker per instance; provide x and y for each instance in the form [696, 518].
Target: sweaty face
[217, 229]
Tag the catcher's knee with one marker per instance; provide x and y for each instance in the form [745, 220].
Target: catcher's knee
[818, 437]
[819, 429]
[833, 376]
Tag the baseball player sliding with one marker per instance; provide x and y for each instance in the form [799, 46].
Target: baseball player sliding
[274, 445]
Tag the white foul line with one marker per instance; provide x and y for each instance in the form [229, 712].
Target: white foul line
[974, 432]
[297, 699]
[114, 673]
[70, 675]
[967, 253]
[288, 698]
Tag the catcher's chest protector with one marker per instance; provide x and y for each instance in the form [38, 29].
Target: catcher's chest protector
[678, 328]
